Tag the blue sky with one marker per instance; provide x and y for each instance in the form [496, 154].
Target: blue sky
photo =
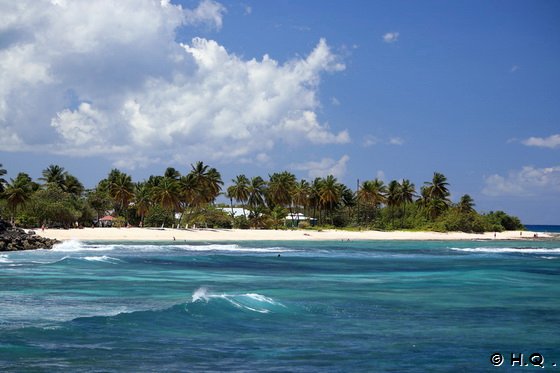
[359, 89]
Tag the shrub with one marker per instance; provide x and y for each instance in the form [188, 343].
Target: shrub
[501, 219]
[156, 216]
[119, 222]
[241, 222]
[304, 224]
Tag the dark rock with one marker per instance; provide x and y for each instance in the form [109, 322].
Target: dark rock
[12, 239]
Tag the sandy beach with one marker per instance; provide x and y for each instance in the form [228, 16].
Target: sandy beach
[214, 235]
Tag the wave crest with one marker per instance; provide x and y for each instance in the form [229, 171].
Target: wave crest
[508, 250]
[249, 301]
[104, 259]
[4, 259]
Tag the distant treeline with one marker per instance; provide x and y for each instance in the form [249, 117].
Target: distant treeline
[58, 199]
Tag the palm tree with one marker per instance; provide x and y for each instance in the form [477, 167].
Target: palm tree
[301, 195]
[172, 173]
[18, 192]
[168, 194]
[372, 194]
[188, 193]
[330, 193]
[394, 197]
[315, 196]
[435, 207]
[120, 188]
[230, 193]
[437, 188]
[408, 192]
[2, 180]
[73, 186]
[199, 187]
[54, 174]
[280, 188]
[436, 195]
[239, 191]
[466, 204]
[257, 190]
[394, 194]
[207, 181]
[142, 200]
[348, 199]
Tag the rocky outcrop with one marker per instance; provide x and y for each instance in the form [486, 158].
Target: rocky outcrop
[13, 239]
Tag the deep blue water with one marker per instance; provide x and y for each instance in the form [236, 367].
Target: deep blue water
[318, 307]
[544, 228]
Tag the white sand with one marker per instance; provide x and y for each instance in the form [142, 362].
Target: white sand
[168, 234]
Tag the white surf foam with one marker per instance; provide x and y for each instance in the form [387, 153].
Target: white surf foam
[232, 248]
[53, 262]
[4, 259]
[103, 258]
[501, 250]
[76, 246]
[200, 294]
[248, 301]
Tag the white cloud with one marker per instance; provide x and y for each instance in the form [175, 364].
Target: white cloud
[324, 167]
[396, 141]
[391, 37]
[120, 87]
[370, 140]
[10, 141]
[529, 181]
[208, 12]
[551, 141]
[514, 68]
[82, 126]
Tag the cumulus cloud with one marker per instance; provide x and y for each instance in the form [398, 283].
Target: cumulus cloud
[391, 37]
[529, 181]
[551, 141]
[208, 12]
[324, 167]
[119, 85]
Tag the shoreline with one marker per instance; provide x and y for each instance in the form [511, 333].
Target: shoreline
[221, 235]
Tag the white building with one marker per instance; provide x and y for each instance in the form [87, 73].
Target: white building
[236, 211]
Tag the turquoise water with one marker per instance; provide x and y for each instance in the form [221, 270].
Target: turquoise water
[320, 306]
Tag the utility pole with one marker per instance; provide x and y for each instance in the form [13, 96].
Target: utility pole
[358, 203]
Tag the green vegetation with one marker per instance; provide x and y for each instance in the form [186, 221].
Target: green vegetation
[172, 199]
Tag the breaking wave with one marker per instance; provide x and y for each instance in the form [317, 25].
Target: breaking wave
[103, 258]
[509, 250]
[4, 259]
[246, 302]
[76, 246]
[232, 248]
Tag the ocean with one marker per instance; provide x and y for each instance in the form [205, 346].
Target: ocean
[544, 228]
[367, 306]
